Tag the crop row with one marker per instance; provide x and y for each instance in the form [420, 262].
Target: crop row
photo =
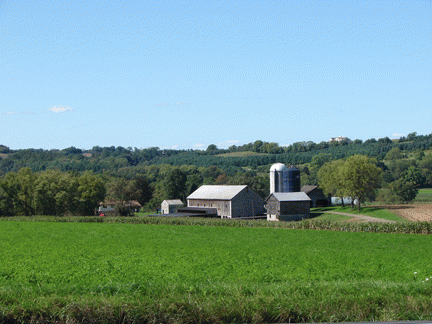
[396, 227]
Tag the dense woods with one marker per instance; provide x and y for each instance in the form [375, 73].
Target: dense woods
[74, 181]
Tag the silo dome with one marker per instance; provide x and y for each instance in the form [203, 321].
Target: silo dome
[278, 167]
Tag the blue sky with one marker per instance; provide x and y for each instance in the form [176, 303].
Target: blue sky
[186, 74]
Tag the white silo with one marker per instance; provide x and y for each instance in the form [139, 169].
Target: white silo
[284, 179]
[278, 177]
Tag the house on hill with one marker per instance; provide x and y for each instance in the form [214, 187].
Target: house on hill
[229, 201]
[317, 196]
[171, 206]
[288, 206]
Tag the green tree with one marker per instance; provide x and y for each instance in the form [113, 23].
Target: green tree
[45, 190]
[6, 203]
[175, 184]
[405, 190]
[360, 177]
[212, 148]
[394, 154]
[122, 191]
[194, 181]
[317, 162]
[414, 175]
[144, 190]
[330, 181]
[91, 191]
[19, 190]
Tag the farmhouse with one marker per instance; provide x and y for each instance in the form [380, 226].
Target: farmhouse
[229, 201]
[108, 207]
[340, 139]
[171, 206]
[318, 199]
[288, 206]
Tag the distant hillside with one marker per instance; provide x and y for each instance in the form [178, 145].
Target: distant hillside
[253, 155]
[240, 154]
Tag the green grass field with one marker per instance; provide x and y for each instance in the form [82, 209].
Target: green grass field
[70, 272]
[365, 211]
[424, 196]
[319, 215]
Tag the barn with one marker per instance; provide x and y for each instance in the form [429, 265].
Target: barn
[229, 201]
[288, 206]
[317, 196]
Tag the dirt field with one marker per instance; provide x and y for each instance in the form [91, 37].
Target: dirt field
[417, 212]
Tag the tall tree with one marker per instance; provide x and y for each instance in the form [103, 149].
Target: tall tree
[329, 179]
[360, 177]
[19, 188]
[144, 190]
[91, 192]
[175, 184]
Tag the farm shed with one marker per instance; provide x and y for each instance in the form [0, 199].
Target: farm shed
[288, 206]
[318, 199]
[171, 206]
[229, 201]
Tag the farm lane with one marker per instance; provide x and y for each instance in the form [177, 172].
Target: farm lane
[361, 217]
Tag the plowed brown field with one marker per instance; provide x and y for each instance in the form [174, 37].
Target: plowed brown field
[417, 212]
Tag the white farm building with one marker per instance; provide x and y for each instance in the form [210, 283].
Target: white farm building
[171, 206]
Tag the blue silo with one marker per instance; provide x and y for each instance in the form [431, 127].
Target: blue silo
[293, 179]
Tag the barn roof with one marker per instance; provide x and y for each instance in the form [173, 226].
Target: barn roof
[173, 202]
[308, 189]
[290, 196]
[221, 192]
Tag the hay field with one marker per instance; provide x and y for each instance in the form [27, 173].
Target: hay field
[413, 212]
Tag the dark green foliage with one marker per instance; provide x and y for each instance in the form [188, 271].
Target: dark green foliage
[99, 159]
[394, 154]
[4, 149]
[405, 190]
[153, 166]
[413, 174]
[50, 192]
[144, 191]
[175, 184]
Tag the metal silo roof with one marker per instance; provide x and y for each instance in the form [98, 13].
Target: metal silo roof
[278, 167]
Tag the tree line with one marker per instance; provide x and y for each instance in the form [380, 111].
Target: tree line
[55, 192]
[73, 181]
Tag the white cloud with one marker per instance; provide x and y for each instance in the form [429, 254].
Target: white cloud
[198, 146]
[397, 135]
[173, 147]
[8, 113]
[60, 109]
[227, 143]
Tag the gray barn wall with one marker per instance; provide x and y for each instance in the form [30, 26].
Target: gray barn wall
[247, 203]
[223, 206]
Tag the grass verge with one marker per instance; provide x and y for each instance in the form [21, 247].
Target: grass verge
[423, 196]
[376, 212]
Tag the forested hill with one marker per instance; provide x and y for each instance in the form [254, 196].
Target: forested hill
[100, 159]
